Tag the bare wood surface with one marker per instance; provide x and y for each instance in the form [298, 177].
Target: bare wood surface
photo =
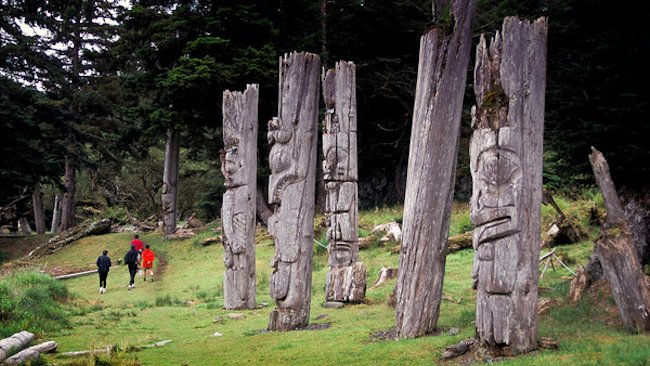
[170, 182]
[56, 214]
[68, 212]
[578, 285]
[506, 168]
[37, 205]
[292, 184]
[239, 168]
[59, 241]
[15, 343]
[346, 278]
[24, 226]
[442, 72]
[617, 255]
[31, 353]
[73, 275]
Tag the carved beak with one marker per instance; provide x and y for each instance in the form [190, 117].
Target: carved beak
[495, 223]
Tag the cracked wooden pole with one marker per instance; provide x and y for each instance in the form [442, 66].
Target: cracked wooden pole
[37, 205]
[170, 182]
[292, 184]
[506, 168]
[239, 168]
[617, 255]
[346, 278]
[442, 72]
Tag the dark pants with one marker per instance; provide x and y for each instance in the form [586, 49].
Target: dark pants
[133, 269]
[102, 279]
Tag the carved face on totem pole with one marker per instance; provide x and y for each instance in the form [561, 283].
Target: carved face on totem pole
[341, 231]
[496, 174]
[231, 165]
[335, 164]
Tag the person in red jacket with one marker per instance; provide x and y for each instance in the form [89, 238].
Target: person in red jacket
[137, 242]
[147, 262]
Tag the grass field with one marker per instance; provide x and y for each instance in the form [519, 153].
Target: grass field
[184, 305]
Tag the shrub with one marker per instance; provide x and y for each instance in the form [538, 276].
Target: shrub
[31, 301]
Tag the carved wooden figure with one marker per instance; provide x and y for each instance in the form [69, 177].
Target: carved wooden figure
[292, 184]
[442, 72]
[239, 168]
[506, 168]
[346, 278]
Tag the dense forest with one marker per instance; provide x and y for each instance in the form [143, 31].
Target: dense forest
[91, 89]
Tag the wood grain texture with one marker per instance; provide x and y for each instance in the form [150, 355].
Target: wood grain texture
[292, 158]
[346, 278]
[506, 168]
[239, 168]
[442, 72]
[170, 182]
[615, 249]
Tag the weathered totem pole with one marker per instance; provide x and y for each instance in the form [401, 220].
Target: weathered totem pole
[292, 184]
[506, 168]
[170, 181]
[346, 278]
[239, 168]
[442, 72]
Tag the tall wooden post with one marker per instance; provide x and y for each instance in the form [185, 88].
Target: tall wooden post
[293, 137]
[68, 211]
[346, 278]
[56, 214]
[617, 255]
[239, 168]
[506, 168]
[442, 72]
[37, 206]
[170, 182]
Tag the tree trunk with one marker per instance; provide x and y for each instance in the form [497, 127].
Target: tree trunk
[442, 72]
[15, 343]
[239, 168]
[37, 205]
[293, 139]
[170, 182]
[24, 226]
[506, 168]
[56, 214]
[346, 280]
[68, 218]
[617, 255]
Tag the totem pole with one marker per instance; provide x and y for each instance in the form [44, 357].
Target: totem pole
[239, 168]
[506, 168]
[346, 278]
[292, 185]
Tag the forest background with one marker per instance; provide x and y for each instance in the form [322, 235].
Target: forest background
[96, 85]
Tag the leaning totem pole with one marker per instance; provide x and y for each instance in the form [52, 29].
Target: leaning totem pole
[442, 72]
[292, 185]
[239, 168]
[506, 168]
[346, 278]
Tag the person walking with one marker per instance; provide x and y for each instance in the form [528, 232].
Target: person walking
[103, 266]
[131, 260]
[147, 262]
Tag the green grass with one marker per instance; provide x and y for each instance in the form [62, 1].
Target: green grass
[182, 305]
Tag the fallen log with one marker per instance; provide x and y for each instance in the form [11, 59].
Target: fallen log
[384, 275]
[95, 228]
[73, 275]
[459, 242]
[15, 343]
[458, 349]
[31, 353]
[107, 350]
[562, 231]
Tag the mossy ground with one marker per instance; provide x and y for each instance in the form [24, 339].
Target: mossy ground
[185, 299]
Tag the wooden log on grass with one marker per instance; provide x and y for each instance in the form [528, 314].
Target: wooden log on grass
[31, 353]
[239, 168]
[15, 343]
[617, 255]
[442, 72]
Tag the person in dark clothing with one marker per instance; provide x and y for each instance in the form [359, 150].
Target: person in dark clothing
[131, 260]
[103, 265]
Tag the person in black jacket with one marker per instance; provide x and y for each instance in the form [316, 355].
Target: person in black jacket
[103, 265]
[131, 260]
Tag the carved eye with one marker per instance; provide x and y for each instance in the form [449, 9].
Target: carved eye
[499, 169]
